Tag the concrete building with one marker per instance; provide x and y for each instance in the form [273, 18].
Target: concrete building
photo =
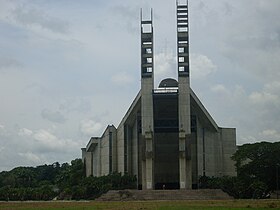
[167, 137]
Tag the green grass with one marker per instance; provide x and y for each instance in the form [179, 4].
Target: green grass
[144, 205]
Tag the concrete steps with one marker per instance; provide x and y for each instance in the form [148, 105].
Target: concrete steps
[130, 195]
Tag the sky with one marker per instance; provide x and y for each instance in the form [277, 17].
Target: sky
[69, 68]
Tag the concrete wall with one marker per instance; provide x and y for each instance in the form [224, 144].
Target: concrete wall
[219, 147]
[120, 148]
[228, 136]
[134, 150]
[184, 108]
[199, 147]
[210, 152]
[87, 160]
[97, 160]
[104, 153]
[194, 158]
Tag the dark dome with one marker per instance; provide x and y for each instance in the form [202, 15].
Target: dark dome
[169, 82]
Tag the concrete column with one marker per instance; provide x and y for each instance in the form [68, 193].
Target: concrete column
[149, 161]
[182, 159]
[147, 86]
[185, 167]
[144, 186]
[147, 131]
[99, 169]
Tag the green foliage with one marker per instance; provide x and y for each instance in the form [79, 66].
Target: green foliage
[92, 187]
[20, 194]
[257, 174]
[66, 181]
[259, 162]
[236, 187]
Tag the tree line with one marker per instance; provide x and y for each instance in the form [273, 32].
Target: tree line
[55, 181]
[257, 165]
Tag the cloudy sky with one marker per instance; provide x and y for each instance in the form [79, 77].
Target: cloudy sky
[69, 68]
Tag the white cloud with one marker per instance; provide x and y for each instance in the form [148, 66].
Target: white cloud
[272, 87]
[3, 130]
[252, 42]
[165, 66]
[47, 142]
[263, 97]
[220, 89]
[32, 158]
[249, 112]
[270, 134]
[7, 63]
[128, 15]
[122, 79]
[32, 17]
[45, 137]
[53, 116]
[247, 139]
[25, 147]
[201, 66]
[90, 127]
[25, 132]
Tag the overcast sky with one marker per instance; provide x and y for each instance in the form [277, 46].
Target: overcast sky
[69, 68]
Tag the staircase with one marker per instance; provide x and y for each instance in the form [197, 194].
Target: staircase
[130, 195]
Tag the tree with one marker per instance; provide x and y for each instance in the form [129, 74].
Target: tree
[259, 162]
[66, 181]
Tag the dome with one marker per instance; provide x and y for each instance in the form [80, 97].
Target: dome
[169, 82]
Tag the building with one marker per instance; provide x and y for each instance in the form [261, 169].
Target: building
[166, 137]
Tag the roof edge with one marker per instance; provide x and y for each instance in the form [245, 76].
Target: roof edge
[130, 109]
[204, 110]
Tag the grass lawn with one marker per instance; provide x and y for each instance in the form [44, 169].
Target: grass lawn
[143, 205]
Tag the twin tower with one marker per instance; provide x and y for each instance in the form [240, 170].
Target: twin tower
[167, 137]
[183, 92]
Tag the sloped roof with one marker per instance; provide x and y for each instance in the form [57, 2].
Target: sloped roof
[202, 112]
[196, 106]
[132, 108]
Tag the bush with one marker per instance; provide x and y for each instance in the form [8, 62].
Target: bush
[236, 186]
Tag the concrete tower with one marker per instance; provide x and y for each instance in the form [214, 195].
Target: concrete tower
[147, 86]
[185, 167]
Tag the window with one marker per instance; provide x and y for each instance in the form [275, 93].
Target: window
[149, 60]
[193, 124]
[181, 49]
[183, 29]
[149, 70]
[181, 59]
[147, 28]
[181, 68]
[149, 50]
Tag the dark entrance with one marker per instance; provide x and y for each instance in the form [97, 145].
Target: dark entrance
[166, 162]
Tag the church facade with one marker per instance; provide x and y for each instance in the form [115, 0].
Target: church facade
[167, 137]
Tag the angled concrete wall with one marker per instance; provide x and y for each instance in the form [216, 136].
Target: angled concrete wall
[228, 136]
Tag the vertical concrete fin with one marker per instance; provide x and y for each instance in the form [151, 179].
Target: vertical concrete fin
[185, 162]
[147, 46]
[147, 86]
[182, 39]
